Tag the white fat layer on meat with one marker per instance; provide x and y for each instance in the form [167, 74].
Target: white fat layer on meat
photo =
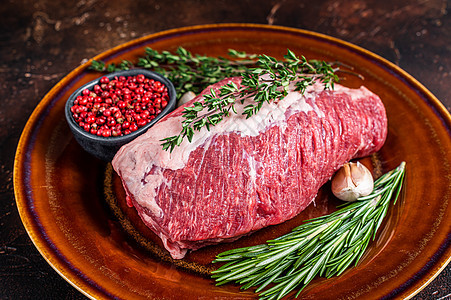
[145, 195]
[151, 154]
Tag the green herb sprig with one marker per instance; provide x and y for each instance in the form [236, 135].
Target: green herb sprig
[186, 71]
[268, 82]
[325, 246]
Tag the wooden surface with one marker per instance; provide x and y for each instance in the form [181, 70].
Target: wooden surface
[42, 40]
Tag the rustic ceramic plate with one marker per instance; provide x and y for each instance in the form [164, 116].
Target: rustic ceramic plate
[64, 195]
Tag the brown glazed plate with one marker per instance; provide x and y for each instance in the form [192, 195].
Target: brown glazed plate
[72, 205]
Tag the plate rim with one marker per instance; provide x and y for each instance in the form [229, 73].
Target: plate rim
[19, 174]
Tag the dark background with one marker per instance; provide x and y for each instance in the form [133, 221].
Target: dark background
[42, 40]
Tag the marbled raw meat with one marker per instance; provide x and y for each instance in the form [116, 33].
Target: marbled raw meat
[246, 174]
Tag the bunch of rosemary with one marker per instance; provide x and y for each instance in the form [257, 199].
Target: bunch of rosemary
[325, 246]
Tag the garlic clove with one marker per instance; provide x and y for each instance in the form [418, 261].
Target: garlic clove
[187, 97]
[352, 181]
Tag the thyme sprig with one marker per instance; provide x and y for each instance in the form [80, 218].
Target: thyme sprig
[186, 71]
[268, 82]
[325, 246]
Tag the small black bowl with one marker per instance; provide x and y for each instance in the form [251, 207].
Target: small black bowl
[105, 148]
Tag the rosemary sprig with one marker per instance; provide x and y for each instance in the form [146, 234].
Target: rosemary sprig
[267, 82]
[325, 246]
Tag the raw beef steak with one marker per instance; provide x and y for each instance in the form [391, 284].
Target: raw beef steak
[247, 174]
